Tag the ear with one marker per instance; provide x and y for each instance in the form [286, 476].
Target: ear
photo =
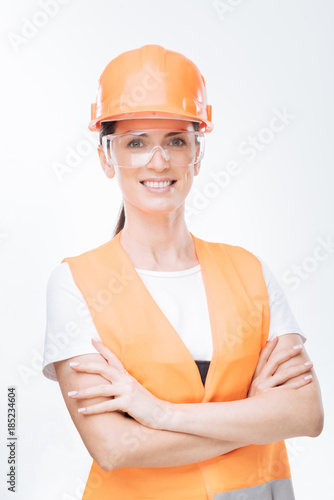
[107, 168]
[197, 167]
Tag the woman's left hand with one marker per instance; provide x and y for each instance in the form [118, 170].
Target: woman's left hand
[267, 378]
[125, 392]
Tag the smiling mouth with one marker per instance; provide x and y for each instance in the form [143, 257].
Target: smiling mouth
[156, 184]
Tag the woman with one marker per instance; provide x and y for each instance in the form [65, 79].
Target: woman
[181, 395]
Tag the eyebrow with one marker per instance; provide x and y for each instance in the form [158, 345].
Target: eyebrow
[145, 135]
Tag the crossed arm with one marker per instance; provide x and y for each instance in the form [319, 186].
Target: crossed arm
[114, 440]
[280, 404]
[269, 416]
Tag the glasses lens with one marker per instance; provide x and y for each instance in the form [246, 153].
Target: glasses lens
[136, 149]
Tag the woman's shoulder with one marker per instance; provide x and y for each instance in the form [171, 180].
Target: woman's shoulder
[100, 250]
[60, 275]
[234, 251]
[61, 286]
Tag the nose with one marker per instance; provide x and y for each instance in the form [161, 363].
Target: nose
[157, 160]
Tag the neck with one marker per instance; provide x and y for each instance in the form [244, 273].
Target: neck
[159, 242]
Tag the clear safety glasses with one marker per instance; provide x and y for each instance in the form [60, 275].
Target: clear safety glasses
[136, 149]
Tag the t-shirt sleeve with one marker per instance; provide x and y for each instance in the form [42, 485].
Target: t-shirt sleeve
[282, 319]
[69, 324]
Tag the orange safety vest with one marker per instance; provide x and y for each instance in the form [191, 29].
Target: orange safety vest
[133, 326]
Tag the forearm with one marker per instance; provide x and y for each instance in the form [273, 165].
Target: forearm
[141, 446]
[264, 418]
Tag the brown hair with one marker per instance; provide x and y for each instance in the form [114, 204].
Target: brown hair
[109, 128]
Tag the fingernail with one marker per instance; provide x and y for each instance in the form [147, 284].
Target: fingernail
[80, 410]
[308, 363]
[74, 363]
[273, 338]
[96, 339]
[298, 346]
[72, 393]
[307, 377]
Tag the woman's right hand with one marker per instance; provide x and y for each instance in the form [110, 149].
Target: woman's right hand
[265, 379]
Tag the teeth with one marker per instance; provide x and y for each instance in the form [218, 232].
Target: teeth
[157, 184]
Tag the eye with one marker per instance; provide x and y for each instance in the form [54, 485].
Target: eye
[134, 143]
[177, 141]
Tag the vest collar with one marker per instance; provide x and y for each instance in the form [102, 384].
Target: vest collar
[209, 273]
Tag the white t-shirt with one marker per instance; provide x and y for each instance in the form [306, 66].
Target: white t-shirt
[179, 294]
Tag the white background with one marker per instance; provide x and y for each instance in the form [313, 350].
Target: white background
[257, 56]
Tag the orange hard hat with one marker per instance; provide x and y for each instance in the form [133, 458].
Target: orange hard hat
[151, 82]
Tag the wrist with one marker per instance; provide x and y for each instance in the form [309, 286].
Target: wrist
[165, 416]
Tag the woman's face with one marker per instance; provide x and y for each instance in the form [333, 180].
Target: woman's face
[132, 180]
